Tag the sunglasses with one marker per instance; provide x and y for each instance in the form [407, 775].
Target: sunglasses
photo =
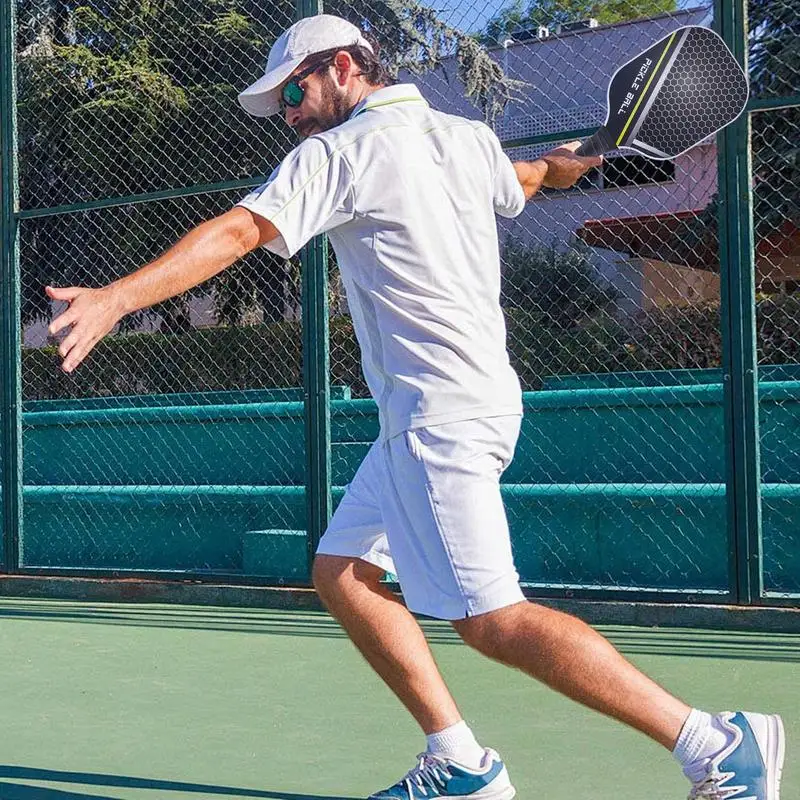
[293, 93]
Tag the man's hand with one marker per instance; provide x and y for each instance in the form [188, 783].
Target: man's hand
[201, 254]
[564, 168]
[92, 313]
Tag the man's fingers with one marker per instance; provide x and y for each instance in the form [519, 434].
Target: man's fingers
[69, 342]
[74, 349]
[62, 321]
[88, 317]
[65, 294]
[68, 293]
[571, 147]
[591, 161]
[77, 354]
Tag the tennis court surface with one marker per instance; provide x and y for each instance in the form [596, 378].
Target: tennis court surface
[163, 701]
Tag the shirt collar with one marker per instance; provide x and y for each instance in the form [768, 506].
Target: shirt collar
[389, 95]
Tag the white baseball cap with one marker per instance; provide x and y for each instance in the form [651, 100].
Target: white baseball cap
[306, 37]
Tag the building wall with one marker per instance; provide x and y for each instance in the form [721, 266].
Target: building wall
[565, 77]
[557, 215]
[666, 284]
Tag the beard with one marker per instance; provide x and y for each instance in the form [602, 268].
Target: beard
[333, 111]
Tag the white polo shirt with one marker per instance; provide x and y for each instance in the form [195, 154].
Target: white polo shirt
[408, 196]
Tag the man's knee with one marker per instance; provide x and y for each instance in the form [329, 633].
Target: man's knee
[335, 575]
[488, 633]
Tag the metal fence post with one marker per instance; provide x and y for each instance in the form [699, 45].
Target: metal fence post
[10, 387]
[316, 360]
[737, 312]
[316, 370]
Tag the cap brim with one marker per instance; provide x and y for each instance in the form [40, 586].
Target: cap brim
[262, 99]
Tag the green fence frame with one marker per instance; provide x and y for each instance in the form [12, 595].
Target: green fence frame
[739, 370]
[316, 370]
[737, 312]
[10, 386]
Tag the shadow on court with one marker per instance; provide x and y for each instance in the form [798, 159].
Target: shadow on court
[224, 620]
[19, 791]
[672, 642]
[185, 618]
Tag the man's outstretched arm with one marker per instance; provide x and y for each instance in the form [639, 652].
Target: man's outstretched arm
[198, 256]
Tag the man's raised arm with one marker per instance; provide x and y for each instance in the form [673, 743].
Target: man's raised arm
[558, 169]
[198, 256]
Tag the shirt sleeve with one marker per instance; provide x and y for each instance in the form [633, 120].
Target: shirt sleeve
[309, 193]
[509, 197]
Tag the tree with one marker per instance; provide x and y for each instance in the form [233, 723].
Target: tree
[126, 98]
[557, 282]
[554, 12]
[135, 96]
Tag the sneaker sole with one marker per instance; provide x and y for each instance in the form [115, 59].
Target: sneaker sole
[487, 793]
[504, 792]
[776, 750]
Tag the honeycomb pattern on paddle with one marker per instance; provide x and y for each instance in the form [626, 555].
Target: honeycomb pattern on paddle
[703, 92]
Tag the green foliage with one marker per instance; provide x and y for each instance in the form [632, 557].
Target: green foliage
[774, 51]
[559, 284]
[269, 356]
[775, 72]
[516, 16]
[129, 98]
[264, 356]
[412, 37]
[139, 96]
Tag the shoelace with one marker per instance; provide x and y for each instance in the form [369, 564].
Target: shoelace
[431, 773]
[709, 789]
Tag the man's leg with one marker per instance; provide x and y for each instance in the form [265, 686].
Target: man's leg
[388, 636]
[572, 658]
[557, 649]
[731, 750]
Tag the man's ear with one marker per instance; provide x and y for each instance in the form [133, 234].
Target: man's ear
[345, 66]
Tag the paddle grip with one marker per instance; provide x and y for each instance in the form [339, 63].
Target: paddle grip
[598, 143]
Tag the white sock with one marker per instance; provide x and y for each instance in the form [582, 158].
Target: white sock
[701, 738]
[457, 743]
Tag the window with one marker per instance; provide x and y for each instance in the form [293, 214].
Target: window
[619, 172]
[623, 171]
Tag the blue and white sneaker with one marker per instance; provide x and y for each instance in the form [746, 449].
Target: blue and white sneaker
[749, 768]
[436, 776]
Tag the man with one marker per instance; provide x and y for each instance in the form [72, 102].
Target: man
[408, 197]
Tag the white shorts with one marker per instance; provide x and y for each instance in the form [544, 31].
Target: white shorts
[426, 506]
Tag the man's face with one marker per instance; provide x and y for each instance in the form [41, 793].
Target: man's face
[324, 104]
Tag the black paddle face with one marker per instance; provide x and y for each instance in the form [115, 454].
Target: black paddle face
[672, 96]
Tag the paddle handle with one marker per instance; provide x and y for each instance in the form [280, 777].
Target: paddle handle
[598, 143]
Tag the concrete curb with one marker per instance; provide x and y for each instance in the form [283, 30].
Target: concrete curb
[595, 612]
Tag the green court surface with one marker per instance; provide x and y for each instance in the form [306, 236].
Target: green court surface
[163, 701]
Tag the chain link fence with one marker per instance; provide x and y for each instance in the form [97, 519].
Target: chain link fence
[775, 74]
[181, 439]
[180, 447]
